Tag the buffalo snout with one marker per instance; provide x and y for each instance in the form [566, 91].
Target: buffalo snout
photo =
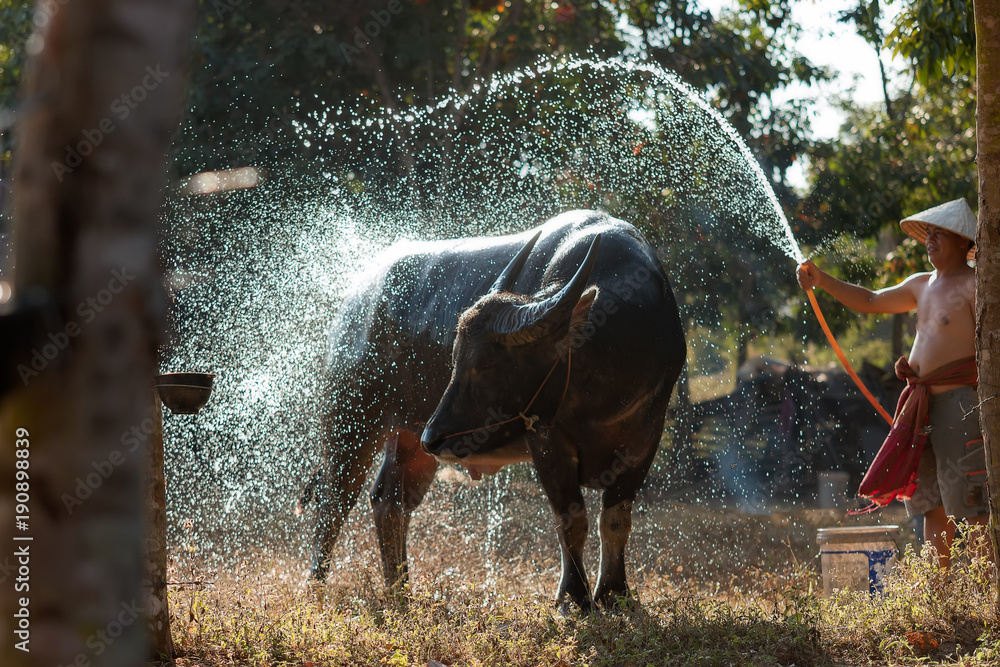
[439, 444]
[447, 447]
[430, 441]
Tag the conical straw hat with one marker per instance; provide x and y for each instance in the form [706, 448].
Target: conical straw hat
[955, 216]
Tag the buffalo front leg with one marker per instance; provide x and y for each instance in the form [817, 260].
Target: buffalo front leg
[402, 482]
[555, 462]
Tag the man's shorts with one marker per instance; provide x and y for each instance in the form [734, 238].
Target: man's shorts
[952, 469]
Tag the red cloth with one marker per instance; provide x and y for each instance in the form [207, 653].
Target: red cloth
[893, 473]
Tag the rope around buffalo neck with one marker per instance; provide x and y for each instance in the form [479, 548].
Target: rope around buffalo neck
[530, 420]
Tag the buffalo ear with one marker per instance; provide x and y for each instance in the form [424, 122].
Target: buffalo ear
[581, 313]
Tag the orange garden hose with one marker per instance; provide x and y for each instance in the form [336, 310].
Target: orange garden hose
[843, 359]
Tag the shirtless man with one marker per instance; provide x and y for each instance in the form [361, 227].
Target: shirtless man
[952, 472]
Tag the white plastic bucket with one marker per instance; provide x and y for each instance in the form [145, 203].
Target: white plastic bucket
[832, 488]
[857, 558]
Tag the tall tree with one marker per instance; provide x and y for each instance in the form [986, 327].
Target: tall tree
[988, 251]
[102, 101]
[866, 17]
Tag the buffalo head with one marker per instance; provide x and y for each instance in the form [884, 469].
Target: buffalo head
[509, 367]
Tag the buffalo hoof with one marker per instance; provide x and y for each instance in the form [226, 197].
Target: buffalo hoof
[318, 570]
[616, 604]
[569, 606]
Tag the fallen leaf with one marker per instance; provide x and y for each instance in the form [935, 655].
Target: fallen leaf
[922, 641]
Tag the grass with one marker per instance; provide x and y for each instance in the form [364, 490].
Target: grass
[463, 624]
[928, 615]
[716, 588]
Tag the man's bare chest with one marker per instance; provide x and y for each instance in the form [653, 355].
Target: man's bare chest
[946, 305]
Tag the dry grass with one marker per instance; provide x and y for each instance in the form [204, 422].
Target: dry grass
[716, 588]
[252, 620]
[928, 615]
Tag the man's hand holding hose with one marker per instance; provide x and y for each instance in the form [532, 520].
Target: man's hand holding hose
[808, 275]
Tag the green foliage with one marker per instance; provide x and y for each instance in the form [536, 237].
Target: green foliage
[262, 66]
[865, 17]
[939, 39]
[876, 172]
[15, 28]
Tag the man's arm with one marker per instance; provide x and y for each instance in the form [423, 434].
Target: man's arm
[899, 298]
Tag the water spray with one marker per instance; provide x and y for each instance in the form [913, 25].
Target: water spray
[254, 300]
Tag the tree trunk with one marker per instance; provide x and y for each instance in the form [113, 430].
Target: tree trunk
[102, 100]
[988, 250]
[154, 554]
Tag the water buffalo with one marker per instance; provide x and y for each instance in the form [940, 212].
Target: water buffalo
[567, 360]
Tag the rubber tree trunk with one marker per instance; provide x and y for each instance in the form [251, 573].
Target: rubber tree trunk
[102, 100]
[988, 250]
[154, 552]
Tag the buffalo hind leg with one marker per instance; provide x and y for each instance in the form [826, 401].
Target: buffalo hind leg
[555, 463]
[403, 480]
[616, 526]
[335, 487]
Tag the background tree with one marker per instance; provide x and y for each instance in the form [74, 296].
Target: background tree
[867, 20]
[85, 232]
[987, 15]
[301, 57]
[15, 26]
[938, 37]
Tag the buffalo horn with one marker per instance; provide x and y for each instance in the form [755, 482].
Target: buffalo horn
[521, 324]
[513, 270]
